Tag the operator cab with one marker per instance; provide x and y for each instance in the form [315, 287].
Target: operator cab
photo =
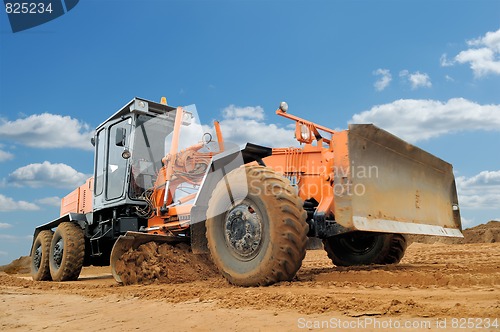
[129, 147]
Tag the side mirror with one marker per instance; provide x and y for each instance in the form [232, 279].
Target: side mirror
[121, 134]
[92, 141]
[206, 138]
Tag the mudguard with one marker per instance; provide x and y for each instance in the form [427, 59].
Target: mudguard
[221, 164]
[81, 219]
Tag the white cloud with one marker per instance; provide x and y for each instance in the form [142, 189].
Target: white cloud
[481, 191]
[50, 201]
[4, 156]
[444, 61]
[8, 204]
[4, 225]
[421, 119]
[246, 124]
[384, 80]
[483, 55]
[482, 61]
[491, 40]
[466, 222]
[3, 253]
[250, 112]
[47, 175]
[449, 78]
[14, 238]
[48, 131]
[484, 178]
[416, 79]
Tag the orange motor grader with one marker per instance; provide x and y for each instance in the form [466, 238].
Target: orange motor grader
[159, 178]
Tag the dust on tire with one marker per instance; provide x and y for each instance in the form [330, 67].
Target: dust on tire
[40, 252]
[284, 233]
[69, 239]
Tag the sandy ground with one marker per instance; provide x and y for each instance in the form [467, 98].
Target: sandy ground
[435, 286]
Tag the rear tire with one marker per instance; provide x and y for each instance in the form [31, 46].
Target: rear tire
[40, 253]
[261, 237]
[67, 251]
[365, 248]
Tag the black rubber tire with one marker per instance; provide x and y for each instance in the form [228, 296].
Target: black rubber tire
[40, 270]
[68, 266]
[365, 248]
[284, 229]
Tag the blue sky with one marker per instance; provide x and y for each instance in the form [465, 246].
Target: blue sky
[428, 71]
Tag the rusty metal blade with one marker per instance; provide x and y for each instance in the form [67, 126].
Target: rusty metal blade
[385, 184]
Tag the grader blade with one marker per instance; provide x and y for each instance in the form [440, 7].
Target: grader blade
[132, 240]
[384, 184]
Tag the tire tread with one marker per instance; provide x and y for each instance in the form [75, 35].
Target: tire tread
[74, 248]
[43, 273]
[290, 231]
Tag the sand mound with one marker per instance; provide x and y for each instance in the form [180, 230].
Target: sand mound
[20, 265]
[484, 233]
[164, 263]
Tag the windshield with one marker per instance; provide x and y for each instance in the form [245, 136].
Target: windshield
[168, 170]
[152, 142]
[196, 146]
[147, 151]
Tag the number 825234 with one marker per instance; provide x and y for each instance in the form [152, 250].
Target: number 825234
[28, 8]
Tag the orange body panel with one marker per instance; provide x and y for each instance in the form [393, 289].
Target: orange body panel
[79, 200]
[176, 219]
[309, 168]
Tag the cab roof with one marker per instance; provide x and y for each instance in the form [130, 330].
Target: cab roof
[139, 105]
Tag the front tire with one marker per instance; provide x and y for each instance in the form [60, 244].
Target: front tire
[259, 236]
[67, 251]
[40, 253]
[365, 248]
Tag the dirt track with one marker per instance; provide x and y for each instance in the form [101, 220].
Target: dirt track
[433, 282]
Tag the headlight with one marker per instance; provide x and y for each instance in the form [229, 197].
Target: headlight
[284, 106]
[305, 132]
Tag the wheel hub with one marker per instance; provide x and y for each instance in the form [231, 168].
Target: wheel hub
[358, 245]
[243, 230]
[58, 252]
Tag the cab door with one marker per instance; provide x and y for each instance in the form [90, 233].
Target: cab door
[116, 170]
